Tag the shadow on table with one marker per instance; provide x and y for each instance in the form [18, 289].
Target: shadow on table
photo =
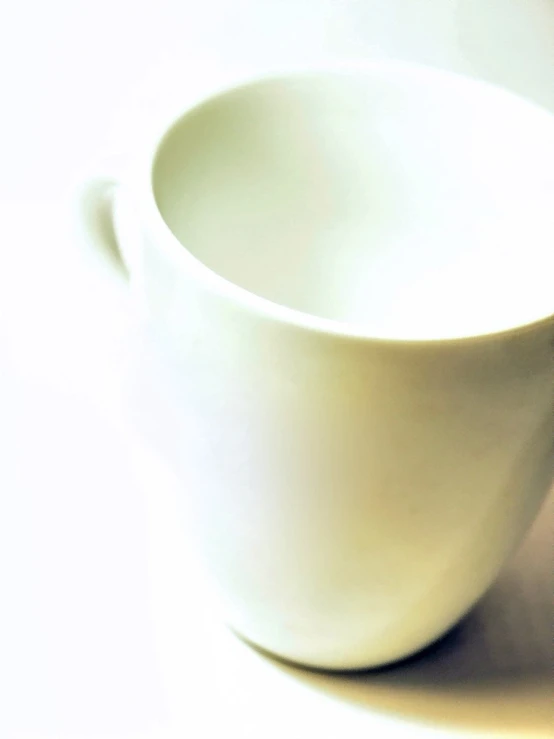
[493, 673]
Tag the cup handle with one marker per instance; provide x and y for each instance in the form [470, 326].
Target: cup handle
[97, 203]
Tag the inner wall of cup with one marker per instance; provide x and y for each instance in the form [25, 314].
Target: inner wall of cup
[416, 207]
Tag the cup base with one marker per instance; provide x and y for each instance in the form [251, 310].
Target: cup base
[366, 665]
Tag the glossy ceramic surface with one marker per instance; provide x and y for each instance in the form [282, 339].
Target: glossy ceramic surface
[353, 488]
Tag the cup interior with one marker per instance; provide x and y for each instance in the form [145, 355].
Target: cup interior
[412, 203]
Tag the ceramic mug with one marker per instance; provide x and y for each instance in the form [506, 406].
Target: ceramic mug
[349, 268]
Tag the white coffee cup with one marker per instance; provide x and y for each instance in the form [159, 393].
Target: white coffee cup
[350, 271]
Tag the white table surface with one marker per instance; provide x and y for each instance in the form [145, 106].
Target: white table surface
[105, 629]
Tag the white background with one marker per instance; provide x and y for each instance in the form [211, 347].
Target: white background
[103, 628]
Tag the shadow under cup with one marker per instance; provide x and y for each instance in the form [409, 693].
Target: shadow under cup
[411, 204]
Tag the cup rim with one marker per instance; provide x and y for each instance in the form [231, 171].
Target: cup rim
[263, 307]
